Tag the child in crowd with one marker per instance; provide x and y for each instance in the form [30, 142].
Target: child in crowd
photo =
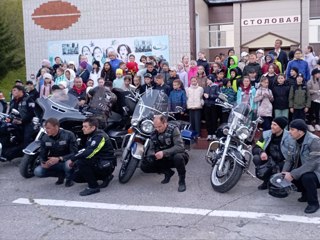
[232, 96]
[194, 105]
[299, 99]
[177, 98]
[264, 99]
[46, 87]
[118, 82]
[211, 110]
[201, 77]
[173, 76]
[193, 70]
[293, 76]
[246, 94]
[124, 68]
[137, 83]
[132, 66]
[148, 83]
[127, 80]
[280, 91]
[235, 79]
[183, 75]
[90, 83]
[254, 78]
[314, 89]
[271, 75]
[60, 76]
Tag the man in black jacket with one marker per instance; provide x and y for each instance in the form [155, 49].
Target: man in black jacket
[282, 55]
[23, 124]
[166, 151]
[96, 161]
[252, 65]
[57, 146]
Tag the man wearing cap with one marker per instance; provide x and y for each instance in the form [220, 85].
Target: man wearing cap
[25, 106]
[32, 92]
[271, 150]
[148, 83]
[244, 60]
[304, 168]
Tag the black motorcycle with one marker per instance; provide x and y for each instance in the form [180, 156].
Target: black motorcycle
[231, 155]
[137, 142]
[63, 107]
[11, 135]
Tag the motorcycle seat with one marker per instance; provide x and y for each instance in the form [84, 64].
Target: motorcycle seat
[116, 134]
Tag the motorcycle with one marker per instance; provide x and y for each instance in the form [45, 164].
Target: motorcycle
[63, 107]
[136, 143]
[11, 136]
[231, 155]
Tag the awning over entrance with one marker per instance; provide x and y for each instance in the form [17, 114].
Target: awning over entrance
[267, 41]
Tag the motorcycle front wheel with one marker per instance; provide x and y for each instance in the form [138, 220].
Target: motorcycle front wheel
[224, 180]
[128, 168]
[28, 164]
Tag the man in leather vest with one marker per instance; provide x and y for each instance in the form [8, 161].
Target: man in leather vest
[271, 150]
[166, 151]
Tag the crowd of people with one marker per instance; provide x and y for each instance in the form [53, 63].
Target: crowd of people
[281, 88]
[273, 84]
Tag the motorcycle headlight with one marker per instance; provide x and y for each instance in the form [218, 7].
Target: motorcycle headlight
[243, 133]
[147, 126]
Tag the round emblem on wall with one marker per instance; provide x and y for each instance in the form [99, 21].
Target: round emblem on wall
[56, 15]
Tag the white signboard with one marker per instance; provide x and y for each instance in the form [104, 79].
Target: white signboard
[270, 20]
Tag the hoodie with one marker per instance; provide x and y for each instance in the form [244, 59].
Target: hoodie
[235, 65]
[265, 66]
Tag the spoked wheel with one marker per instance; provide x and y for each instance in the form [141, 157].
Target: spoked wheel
[28, 164]
[127, 169]
[224, 180]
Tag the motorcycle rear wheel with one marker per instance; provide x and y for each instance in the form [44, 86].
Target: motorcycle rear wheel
[28, 164]
[127, 169]
[225, 180]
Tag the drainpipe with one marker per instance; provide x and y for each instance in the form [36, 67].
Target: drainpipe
[192, 14]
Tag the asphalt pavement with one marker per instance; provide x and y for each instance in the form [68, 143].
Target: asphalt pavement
[145, 209]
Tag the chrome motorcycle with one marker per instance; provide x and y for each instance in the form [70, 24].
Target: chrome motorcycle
[231, 155]
[137, 142]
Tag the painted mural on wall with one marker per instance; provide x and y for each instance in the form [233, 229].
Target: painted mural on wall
[97, 49]
[56, 15]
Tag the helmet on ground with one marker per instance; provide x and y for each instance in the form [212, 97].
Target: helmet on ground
[280, 187]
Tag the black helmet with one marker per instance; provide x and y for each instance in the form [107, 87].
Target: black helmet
[280, 187]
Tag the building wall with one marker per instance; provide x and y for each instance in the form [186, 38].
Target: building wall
[112, 19]
[271, 9]
[203, 12]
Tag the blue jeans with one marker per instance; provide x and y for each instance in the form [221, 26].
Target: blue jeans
[281, 113]
[57, 170]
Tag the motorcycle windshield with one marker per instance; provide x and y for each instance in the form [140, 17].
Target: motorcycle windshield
[61, 106]
[60, 97]
[241, 111]
[153, 102]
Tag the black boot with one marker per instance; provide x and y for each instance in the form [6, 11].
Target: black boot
[182, 183]
[167, 175]
[60, 180]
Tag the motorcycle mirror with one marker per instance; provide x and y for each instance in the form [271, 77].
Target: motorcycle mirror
[15, 111]
[223, 97]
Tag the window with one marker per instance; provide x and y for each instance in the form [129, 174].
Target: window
[314, 30]
[221, 35]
